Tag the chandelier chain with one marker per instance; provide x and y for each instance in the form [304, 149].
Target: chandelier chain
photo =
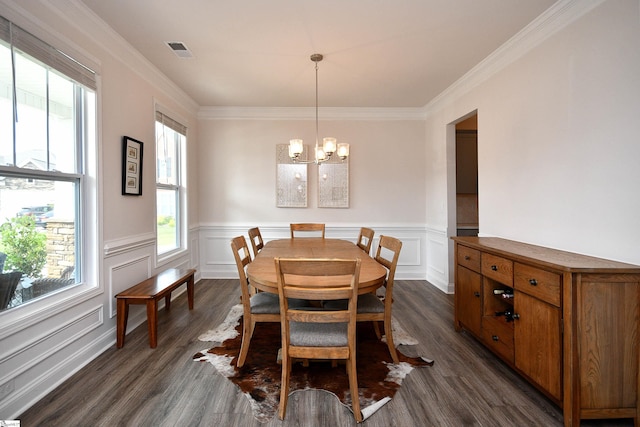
[329, 144]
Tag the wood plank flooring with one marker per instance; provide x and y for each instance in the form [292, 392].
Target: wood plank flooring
[140, 386]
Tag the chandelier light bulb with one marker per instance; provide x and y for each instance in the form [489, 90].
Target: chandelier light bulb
[329, 144]
[343, 150]
[295, 148]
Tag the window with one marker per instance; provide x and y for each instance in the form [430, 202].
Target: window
[47, 116]
[170, 184]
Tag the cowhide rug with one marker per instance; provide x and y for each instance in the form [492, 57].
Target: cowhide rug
[259, 379]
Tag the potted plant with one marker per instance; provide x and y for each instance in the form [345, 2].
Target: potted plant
[26, 248]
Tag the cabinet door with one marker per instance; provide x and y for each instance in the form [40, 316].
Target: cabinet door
[537, 342]
[468, 300]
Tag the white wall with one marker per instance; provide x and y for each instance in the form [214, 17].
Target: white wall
[237, 174]
[558, 148]
[557, 166]
[43, 342]
[238, 171]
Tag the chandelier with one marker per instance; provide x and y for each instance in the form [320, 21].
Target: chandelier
[329, 144]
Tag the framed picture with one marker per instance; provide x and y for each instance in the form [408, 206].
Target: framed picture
[333, 183]
[291, 180]
[131, 167]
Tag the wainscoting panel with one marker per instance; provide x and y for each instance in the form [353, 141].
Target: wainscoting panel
[31, 368]
[126, 274]
[47, 343]
[217, 260]
[438, 249]
[132, 261]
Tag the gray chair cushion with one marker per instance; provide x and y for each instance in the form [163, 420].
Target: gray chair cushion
[367, 303]
[318, 334]
[267, 303]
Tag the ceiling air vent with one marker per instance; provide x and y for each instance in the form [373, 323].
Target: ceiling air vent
[180, 49]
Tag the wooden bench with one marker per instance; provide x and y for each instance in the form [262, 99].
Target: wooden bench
[149, 292]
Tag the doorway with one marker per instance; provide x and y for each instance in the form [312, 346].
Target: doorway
[467, 222]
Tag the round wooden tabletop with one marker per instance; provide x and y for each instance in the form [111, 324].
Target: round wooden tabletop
[262, 270]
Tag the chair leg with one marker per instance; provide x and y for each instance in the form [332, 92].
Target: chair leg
[353, 386]
[247, 332]
[284, 384]
[389, 337]
[376, 328]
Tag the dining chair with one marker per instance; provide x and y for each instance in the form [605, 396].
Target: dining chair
[257, 307]
[8, 285]
[314, 228]
[256, 240]
[318, 334]
[365, 238]
[377, 308]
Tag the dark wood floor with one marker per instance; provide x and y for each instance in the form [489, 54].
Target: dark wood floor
[139, 386]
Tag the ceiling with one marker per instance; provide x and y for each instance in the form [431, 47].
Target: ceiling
[377, 53]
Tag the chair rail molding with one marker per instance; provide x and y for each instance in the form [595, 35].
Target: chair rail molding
[216, 260]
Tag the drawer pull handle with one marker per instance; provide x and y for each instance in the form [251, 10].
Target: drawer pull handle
[476, 294]
[533, 282]
[495, 338]
[467, 257]
[494, 267]
[516, 316]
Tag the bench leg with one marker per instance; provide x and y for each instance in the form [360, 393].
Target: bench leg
[152, 321]
[121, 321]
[190, 292]
[167, 301]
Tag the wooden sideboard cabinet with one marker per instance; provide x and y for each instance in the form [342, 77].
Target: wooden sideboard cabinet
[568, 323]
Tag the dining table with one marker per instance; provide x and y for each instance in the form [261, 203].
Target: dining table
[262, 270]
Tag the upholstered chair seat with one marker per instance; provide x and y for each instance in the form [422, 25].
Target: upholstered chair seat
[318, 334]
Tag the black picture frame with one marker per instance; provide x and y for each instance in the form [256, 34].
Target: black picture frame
[132, 151]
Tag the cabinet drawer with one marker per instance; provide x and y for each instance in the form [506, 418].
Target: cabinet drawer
[539, 283]
[469, 258]
[498, 335]
[497, 268]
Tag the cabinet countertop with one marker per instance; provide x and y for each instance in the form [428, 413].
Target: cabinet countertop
[553, 258]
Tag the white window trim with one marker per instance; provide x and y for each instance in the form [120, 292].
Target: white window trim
[167, 257]
[90, 284]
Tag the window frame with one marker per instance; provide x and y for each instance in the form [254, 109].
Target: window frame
[165, 117]
[87, 186]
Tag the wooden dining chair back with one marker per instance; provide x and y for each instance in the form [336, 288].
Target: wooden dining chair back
[8, 285]
[316, 333]
[257, 307]
[256, 240]
[370, 306]
[309, 230]
[365, 238]
[376, 307]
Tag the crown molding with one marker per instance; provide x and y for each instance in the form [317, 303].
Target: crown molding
[554, 19]
[77, 15]
[308, 113]
[16, 13]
